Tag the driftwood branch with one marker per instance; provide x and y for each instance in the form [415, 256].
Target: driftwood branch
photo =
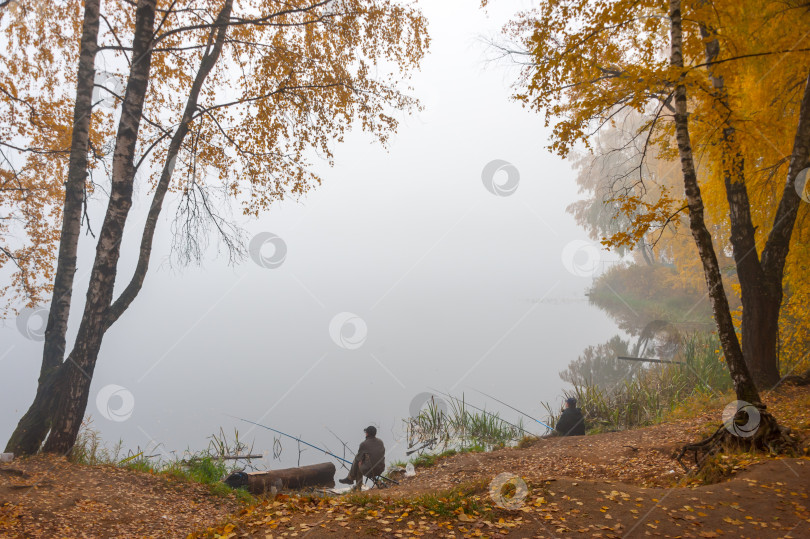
[650, 360]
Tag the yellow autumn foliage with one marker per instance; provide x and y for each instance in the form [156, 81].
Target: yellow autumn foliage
[594, 64]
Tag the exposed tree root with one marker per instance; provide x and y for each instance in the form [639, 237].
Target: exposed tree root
[752, 429]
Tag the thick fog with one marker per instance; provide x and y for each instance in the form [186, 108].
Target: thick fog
[447, 284]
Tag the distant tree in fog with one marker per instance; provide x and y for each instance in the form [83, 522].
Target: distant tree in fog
[599, 365]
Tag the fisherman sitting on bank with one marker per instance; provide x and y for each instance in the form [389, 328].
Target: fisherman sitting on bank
[369, 461]
[571, 422]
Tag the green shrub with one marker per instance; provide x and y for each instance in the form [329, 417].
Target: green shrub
[206, 467]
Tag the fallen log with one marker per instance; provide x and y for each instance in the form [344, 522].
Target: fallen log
[315, 475]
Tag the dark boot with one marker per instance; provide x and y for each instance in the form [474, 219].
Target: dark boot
[346, 481]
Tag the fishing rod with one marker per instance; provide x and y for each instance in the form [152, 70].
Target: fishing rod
[513, 408]
[293, 437]
[524, 431]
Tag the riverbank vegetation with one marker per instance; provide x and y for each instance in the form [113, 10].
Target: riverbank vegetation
[650, 393]
[208, 466]
[452, 425]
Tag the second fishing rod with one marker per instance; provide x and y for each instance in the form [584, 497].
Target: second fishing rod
[490, 414]
[515, 409]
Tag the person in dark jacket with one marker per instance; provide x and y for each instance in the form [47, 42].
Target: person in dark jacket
[369, 461]
[571, 422]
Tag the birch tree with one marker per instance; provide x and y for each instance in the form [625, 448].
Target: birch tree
[215, 96]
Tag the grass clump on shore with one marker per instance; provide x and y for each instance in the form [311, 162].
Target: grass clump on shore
[426, 460]
[207, 467]
[457, 430]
